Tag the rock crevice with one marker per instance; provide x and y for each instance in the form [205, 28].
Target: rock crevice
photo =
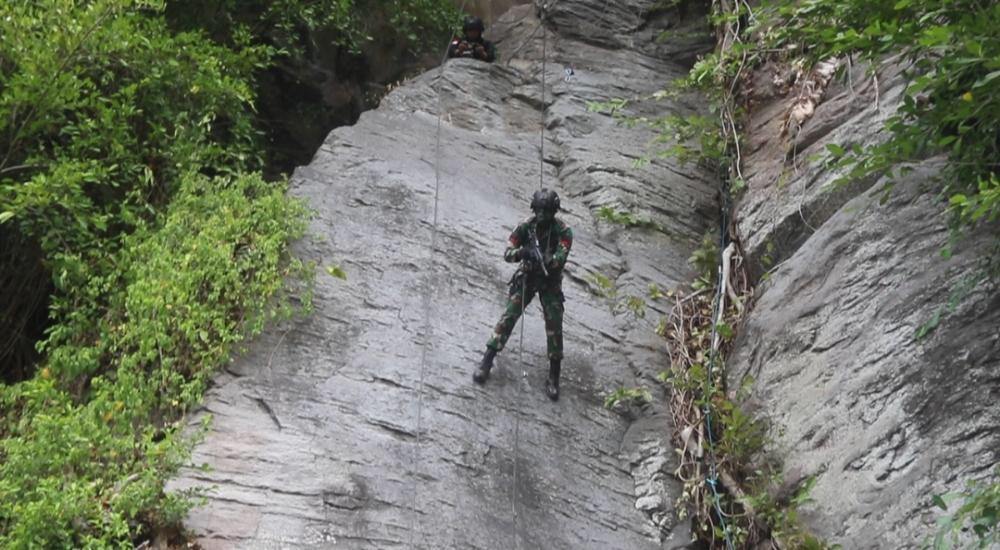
[884, 416]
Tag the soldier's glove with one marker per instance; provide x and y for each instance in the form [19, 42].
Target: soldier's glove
[533, 258]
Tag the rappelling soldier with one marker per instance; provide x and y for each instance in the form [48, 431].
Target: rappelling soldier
[541, 244]
[472, 43]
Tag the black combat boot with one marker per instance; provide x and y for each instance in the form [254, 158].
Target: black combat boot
[483, 371]
[552, 384]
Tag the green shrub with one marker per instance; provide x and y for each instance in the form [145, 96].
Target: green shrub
[293, 25]
[626, 219]
[952, 102]
[85, 467]
[102, 109]
[976, 518]
[705, 260]
[624, 398]
[126, 151]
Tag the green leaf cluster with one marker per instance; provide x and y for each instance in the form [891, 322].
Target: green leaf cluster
[626, 218]
[705, 261]
[293, 26]
[614, 107]
[624, 398]
[88, 443]
[631, 305]
[976, 518]
[102, 110]
[951, 105]
[690, 138]
[129, 153]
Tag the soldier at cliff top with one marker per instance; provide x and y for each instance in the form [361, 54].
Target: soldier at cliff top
[472, 43]
[541, 244]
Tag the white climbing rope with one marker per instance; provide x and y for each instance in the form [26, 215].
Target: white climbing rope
[427, 294]
[544, 109]
[428, 331]
[524, 283]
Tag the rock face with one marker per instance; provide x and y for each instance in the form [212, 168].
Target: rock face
[359, 426]
[884, 418]
[329, 85]
[488, 10]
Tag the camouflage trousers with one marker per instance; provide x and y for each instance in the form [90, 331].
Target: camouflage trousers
[550, 296]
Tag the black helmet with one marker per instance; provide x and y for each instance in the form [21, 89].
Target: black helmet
[473, 23]
[545, 200]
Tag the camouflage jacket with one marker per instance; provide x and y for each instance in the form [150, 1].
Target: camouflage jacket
[463, 47]
[554, 241]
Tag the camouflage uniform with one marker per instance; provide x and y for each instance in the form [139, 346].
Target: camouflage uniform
[466, 47]
[473, 45]
[555, 242]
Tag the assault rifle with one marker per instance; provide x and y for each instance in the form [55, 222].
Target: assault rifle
[531, 253]
[534, 251]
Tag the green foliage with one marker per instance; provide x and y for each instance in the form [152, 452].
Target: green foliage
[691, 138]
[605, 287]
[127, 152]
[627, 219]
[86, 467]
[748, 477]
[705, 260]
[337, 271]
[613, 107]
[99, 120]
[782, 517]
[293, 26]
[357, 46]
[959, 292]
[740, 441]
[725, 331]
[978, 516]
[983, 204]
[714, 76]
[654, 292]
[623, 398]
[635, 306]
[741, 436]
[952, 102]
[416, 20]
[632, 305]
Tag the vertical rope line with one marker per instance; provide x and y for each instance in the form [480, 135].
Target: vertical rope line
[426, 305]
[524, 289]
[517, 416]
[544, 109]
